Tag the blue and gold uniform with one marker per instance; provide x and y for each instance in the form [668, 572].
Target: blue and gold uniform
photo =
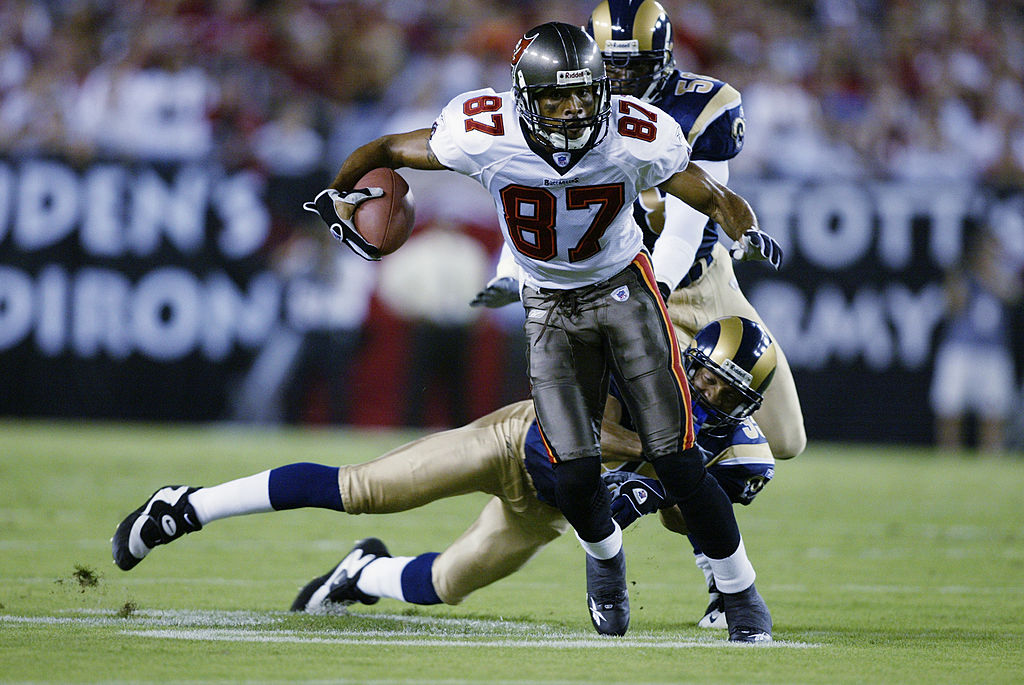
[741, 462]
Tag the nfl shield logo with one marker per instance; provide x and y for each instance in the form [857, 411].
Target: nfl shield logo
[562, 158]
[621, 294]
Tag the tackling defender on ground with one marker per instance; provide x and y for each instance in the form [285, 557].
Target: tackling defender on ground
[728, 368]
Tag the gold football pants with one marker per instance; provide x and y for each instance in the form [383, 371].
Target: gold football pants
[483, 456]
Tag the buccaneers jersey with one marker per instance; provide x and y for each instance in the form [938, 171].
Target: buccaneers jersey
[565, 216]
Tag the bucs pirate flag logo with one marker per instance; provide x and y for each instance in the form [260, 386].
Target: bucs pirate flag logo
[521, 46]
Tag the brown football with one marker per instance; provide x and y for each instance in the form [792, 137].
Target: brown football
[385, 221]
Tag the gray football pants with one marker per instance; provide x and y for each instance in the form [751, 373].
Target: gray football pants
[578, 337]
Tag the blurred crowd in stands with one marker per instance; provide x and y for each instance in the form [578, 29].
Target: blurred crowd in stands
[854, 88]
[833, 89]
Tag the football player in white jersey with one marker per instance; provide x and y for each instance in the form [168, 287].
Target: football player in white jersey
[694, 270]
[564, 160]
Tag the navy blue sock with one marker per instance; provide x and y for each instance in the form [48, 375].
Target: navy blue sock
[305, 485]
[417, 586]
[583, 498]
[705, 506]
[696, 545]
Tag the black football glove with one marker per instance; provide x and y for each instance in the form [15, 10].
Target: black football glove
[498, 293]
[756, 245]
[634, 496]
[345, 229]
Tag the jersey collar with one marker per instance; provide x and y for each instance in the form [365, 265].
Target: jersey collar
[561, 161]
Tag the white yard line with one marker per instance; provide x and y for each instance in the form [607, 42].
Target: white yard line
[409, 631]
[362, 638]
[650, 586]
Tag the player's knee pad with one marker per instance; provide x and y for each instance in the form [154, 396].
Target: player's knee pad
[583, 498]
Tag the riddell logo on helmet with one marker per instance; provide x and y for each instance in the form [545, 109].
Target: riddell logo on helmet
[574, 78]
[628, 47]
[737, 371]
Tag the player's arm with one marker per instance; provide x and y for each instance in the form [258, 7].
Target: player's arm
[672, 518]
[337, 204]
[633, 495]
[683, 231]
[410, 150]
[698, 189]
[617, 443]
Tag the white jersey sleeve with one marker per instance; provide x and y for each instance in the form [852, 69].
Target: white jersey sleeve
[455, 143]
[653, 137]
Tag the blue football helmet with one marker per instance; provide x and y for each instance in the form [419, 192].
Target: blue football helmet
[635, 38]
[740, 353]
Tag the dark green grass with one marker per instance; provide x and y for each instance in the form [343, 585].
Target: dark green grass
[881, 565]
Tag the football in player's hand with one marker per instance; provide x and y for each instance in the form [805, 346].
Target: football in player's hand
[385, 221]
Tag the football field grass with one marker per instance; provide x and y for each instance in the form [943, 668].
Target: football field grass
[880, 565]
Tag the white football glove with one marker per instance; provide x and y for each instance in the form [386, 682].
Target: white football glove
[345, 229]
[756, 245]
[498, 293]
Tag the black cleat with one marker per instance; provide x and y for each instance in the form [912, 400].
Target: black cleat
[607, 596]
[337, 588]
[165, 517]
[753, 635]
[748, 616]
